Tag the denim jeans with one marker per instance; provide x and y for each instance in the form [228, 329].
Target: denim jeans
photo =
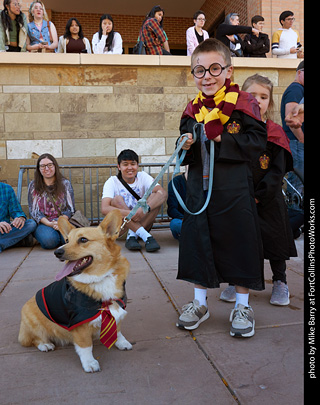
[48, 237]
[175, 226]
[297, 150]
[16, 235]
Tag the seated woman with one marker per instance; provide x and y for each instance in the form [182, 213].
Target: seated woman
[13, 28]
[73, 40]
[106, 40]
[152, 33]
[49, 196]
[42, 34]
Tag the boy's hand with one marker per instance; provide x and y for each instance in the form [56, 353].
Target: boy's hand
[188, 143]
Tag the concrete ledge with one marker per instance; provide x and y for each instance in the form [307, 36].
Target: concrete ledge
[28, 58]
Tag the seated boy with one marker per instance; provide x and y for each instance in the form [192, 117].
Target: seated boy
[18, 231]
[223, 243]
[123, 192]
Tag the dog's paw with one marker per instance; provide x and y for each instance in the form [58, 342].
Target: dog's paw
[91, 366]
[122, 343]
[46, 347]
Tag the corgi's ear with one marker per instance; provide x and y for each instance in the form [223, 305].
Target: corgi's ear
[64, 226]
[111, 224]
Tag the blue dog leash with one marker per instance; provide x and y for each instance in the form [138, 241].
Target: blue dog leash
[143, 201]
[211, 167]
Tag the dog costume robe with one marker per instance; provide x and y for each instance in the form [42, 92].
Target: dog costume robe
[64, 305]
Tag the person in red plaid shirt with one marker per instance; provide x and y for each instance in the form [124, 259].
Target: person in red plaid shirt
[152, 33]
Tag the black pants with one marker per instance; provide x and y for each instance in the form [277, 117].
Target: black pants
[278, 268]
[14, 49]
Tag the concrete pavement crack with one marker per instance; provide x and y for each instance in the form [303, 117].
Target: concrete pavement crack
[200, 347]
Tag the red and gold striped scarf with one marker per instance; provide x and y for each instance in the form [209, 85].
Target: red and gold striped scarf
[216, 111]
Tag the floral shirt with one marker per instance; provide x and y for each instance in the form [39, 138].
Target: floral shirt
[44, 205]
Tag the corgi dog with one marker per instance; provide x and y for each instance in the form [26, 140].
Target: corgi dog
[87, 299]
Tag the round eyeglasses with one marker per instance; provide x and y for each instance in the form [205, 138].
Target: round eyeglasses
[215, 70]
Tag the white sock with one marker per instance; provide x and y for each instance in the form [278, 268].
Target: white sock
[201, 295]
[242, 299]
[143, 234]
[131, 233]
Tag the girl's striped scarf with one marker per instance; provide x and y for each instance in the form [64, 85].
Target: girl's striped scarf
[216, 111]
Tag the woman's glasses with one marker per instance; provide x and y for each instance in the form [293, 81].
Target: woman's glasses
[215, 70]
[49, 166]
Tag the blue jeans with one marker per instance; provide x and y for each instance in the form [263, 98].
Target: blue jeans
[48, 237]
[16, 235]
[175, 226]
[297, 150]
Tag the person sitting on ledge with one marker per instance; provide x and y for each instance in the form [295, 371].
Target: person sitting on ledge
[107, 40]
[73, 40]
[13, 27]
[124, 190]
[17, 232]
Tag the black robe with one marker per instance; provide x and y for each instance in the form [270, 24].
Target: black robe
[268, 173]
[223, 244]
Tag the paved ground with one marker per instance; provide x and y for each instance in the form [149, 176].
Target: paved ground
[166, 365]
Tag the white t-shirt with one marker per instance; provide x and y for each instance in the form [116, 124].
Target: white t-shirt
[113, 187]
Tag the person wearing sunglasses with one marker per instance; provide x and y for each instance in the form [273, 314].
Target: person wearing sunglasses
[286, 41]
[50, 195]
[222, 243]
[196, 34]
[13, 27]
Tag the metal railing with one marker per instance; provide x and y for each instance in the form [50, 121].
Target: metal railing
[88, 180]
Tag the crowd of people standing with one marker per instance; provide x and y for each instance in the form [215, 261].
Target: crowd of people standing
[38, 34]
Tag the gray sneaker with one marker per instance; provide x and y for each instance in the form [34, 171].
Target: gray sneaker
[192, 315]
[242, 319]
[280, 293]
[229, 294]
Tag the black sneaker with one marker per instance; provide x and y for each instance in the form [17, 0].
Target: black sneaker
[132, 243]
[151, 244]
[26, 242]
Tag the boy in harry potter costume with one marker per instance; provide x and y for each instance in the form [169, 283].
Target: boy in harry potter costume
[222, 244]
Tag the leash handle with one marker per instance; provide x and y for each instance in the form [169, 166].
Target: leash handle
[211, 168]
[143, 201]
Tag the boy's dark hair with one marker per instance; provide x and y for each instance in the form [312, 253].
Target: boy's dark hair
[197, 13]
[212, 45]
[284, 15]
[255, 19]
[128, 154]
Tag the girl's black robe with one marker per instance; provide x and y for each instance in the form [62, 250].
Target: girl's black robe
[223, 244]
[268, 173]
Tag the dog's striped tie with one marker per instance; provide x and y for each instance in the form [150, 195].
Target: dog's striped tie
[108, 333]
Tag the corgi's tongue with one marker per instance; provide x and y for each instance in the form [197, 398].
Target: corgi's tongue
[66, 270]
[74, 267]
